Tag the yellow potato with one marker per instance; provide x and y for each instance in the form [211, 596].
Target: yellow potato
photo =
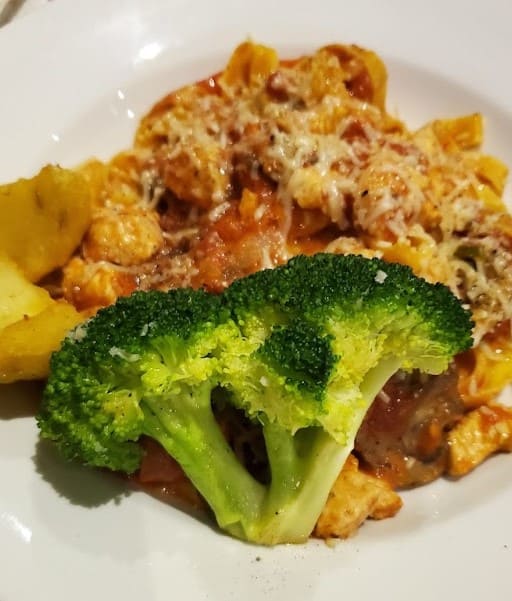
[18, 297]
[43, 219]
[26, 345]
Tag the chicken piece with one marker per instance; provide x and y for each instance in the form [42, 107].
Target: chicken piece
[93, 285]
[128, 236]
[387, 202]
[478, 435]
[355, 497]
[198, 173]
[316, 187]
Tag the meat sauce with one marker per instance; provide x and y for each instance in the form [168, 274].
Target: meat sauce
[160, 475]
[403, 438]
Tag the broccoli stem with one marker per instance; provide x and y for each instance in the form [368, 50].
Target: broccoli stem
[189, 432]
[302, 477]
[304, 467]
[377, 376]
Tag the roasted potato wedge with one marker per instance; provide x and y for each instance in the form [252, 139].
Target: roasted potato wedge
[43, 219]
[19, 298]
[27, 344]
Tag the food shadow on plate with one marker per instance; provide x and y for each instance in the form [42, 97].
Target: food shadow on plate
[80, 485]
[91, 487]
[19, 400]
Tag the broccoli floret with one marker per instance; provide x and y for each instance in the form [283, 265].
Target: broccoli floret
[327, 324]
[302, 349]
[322, 335]
[147, 366]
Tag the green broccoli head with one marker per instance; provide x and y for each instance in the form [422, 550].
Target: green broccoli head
[323, 330]
[150, 343]
[303, 349]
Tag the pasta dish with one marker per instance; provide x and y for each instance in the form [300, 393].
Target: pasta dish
[269, 159]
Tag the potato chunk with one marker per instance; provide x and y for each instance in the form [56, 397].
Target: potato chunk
[32, 325]
[19, 298]
[43, 219]
[27, 344]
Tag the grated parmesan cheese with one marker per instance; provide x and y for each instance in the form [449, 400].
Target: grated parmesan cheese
[380, 276]
[122, 354]
[297, 136]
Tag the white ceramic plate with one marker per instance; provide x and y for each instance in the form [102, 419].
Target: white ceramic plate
[74, 78]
